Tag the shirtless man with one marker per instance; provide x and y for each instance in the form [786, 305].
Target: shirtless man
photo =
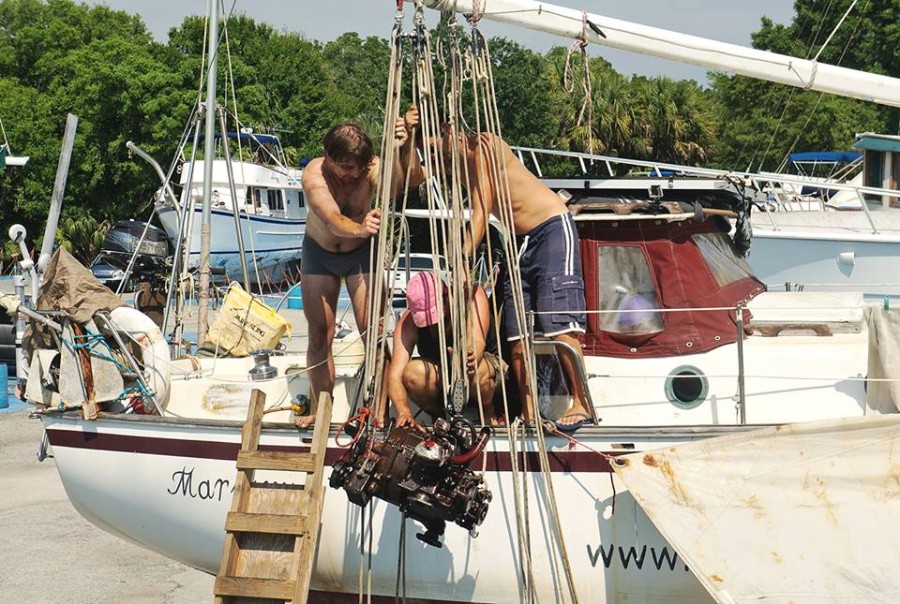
[339, 190]
[419, 378]
[549, 259]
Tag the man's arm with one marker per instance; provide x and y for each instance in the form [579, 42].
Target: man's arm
[405, 336]
[407, 159]
[322, 203]
[482, 173]
[478, 323]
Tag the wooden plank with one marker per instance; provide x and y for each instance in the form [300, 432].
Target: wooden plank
[250, 587]
[275, 524]
[306, 550]
[242, 486]
[250, 433]
[276, 460]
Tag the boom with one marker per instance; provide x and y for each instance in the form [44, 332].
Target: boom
[714, 55]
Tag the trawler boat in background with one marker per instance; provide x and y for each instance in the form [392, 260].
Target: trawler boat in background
[267, 196]
[849, 242]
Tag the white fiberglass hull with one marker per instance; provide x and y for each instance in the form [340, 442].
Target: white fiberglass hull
[166, 485]
[828, 251]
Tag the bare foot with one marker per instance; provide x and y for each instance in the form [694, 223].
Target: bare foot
[305, 421]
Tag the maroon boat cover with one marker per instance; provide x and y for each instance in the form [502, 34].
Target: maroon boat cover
[682, 278]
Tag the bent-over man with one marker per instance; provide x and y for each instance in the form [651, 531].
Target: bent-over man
[420, 378]
[549, 258]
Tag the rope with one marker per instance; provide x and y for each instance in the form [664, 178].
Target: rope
[587, 103]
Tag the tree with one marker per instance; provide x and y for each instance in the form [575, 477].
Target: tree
[761, 122]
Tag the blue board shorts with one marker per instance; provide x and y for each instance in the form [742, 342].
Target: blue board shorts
[316, 260]
[552, 285]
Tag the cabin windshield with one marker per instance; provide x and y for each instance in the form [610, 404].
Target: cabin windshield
[726, 266]
[626, 286]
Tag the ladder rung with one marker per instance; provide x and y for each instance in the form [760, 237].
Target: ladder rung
[251, 587]
[276, 460]
[276, 524]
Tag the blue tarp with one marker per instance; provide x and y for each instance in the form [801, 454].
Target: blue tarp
[826, 156]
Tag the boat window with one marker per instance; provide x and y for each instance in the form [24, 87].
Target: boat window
[626, 285]
[276, 201]
[252, 197]
[302, 200]
[725, 265]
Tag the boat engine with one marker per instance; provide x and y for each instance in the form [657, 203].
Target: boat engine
[426, 475]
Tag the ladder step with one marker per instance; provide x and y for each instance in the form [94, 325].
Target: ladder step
[276, 460]
[274, 524]
[251, 587]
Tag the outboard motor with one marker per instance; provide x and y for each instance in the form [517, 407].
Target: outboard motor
[124, 240]
[426, 475]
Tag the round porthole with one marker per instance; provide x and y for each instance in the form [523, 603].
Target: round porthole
[686, 387]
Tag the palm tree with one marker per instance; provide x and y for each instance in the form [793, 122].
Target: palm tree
[82, 236]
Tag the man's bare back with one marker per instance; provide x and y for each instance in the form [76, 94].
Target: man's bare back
[488, 158]
[532, 202]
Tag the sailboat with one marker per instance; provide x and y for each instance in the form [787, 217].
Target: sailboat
[684, 345]
[253, 196]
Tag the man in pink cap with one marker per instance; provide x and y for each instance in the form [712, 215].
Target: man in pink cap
[419, 379]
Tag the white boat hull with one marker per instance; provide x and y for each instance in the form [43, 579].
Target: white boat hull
[270, 243]
[272, 215]
[166, 485]
[828, 251]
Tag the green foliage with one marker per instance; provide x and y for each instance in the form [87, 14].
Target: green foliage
[760, 123]
[58, 56]
[82, 235]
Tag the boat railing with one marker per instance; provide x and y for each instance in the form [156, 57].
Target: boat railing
[764, 183]
[584, 160]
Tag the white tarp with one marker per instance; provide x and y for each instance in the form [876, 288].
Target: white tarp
[796, 513]
[883, 388]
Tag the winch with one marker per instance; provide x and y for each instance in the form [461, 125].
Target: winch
[426, 475]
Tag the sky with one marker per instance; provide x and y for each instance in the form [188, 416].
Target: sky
[723, 20]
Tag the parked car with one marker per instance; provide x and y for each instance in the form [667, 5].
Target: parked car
[399, 274]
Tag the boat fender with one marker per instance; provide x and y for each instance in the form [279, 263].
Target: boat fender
[155, 355]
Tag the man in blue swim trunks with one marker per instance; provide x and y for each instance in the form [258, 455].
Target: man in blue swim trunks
[549, 258]
[339, 190]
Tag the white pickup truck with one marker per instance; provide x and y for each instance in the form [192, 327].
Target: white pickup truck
[400, 274]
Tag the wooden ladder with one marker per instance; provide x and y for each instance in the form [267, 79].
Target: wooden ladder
[272, 529]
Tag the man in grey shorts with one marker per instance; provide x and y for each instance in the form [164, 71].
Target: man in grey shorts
[339, 190]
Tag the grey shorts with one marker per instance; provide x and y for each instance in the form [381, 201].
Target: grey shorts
[316, 260]
[552, 286]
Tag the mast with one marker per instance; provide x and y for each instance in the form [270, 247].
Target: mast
[714, 55]
[209, 149]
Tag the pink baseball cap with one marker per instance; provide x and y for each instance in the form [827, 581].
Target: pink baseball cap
[423, 299]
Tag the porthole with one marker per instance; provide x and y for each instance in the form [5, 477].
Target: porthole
[686, 387]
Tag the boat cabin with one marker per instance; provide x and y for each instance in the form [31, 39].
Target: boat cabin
[641, 257]
[881, 163]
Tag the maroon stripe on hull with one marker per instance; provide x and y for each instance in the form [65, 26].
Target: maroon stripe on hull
[559, 461]
[327, 597]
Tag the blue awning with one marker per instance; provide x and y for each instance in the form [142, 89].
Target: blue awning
[265, 139]
[826, 156]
